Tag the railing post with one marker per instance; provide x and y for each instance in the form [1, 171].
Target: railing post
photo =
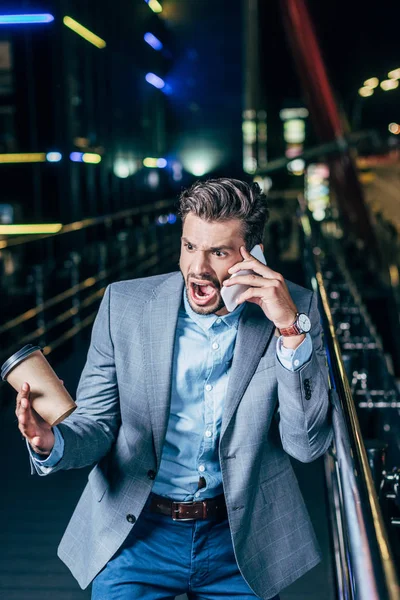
[38, 274]
[73, 266]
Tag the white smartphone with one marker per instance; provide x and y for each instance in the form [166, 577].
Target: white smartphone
[231, 293]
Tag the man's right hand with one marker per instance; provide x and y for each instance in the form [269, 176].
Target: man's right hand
[35, 429]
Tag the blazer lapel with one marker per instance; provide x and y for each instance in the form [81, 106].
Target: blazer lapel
[254, 333]
[160, 319]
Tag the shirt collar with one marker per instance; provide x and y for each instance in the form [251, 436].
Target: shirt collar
[207, 321]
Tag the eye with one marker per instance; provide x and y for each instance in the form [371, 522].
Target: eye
[189, 247]
[219, 253]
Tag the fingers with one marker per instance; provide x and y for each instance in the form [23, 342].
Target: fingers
[255, 265]
[26, 423]
[23, 394]
[252, 280]
[256, 295]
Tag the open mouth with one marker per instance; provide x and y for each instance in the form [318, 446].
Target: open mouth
[202, 293]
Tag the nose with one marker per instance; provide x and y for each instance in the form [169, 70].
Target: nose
[200, 263]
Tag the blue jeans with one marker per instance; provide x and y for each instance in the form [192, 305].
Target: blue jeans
[162, 558]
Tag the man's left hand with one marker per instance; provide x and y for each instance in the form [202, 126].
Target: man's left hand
[267, 289]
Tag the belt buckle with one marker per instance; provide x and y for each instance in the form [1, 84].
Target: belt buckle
[175, 511]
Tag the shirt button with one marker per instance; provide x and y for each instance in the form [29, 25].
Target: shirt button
[202, 468]
[208, 433]
[215, 346]
[130, 518]
[296, 363]
[151, 474]
[208, 387]
[218, 321]
[197, 494]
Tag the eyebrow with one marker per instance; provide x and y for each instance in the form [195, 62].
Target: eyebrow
[213, 248]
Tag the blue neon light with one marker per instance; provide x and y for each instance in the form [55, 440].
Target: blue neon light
[161, 163]
[154, 42]
[20, 19]
[76, 156]
[155, 80]
[53, 156]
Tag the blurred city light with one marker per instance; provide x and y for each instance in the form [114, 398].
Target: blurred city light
[395, 74]
[293, 113]
[317, 189]
[200, 156]
[89, 36]
[154, 42]
[81, 142]
[155, 80]
[53, 156]
[150, 162]
[124, 166]
[33, 229]
[294, 131]
[121, 168]
[153, 179]
[172, 218]
[389, 84]
[372, 82]
[30, 157]
[365, 91]
[265, 183]
[296, 166]
[394, 128]
[154, 5]
[177, 171]
[197, 167]
[319, 214]
[76, 156]
[249, 136]
[91, 158]
[24, 19]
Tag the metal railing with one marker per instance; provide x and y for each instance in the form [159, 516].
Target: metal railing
[65, 274]
[364, 564]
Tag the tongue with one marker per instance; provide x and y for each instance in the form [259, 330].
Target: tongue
[206, 290]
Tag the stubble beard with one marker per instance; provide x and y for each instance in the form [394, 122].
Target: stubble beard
[203, 310]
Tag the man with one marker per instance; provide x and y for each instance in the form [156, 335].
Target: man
[190, 413]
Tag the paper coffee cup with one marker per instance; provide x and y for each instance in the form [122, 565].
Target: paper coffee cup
[49, 397]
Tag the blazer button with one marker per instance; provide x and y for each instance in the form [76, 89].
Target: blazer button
[151, 474]
[131, 518]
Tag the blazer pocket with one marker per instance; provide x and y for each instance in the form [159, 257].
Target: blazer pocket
[98, 483]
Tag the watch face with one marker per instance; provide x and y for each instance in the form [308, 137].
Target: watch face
[304, 323]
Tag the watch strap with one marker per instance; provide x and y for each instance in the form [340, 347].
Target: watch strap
[291, 330]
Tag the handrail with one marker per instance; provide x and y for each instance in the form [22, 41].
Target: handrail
[151, 261]
[370, 555]
[320, 150]
[83, 285]
[90, 222]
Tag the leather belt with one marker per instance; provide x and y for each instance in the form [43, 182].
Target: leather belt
[211, 508]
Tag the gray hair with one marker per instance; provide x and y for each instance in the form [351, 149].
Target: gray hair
[224, 199]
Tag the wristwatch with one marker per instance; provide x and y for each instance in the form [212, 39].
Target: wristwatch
[302, 324]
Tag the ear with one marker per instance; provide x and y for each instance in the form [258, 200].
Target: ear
[262, 247]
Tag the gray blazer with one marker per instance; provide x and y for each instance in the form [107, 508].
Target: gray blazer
[123, 405]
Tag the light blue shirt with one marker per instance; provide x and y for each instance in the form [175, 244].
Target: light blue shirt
[203, 353]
